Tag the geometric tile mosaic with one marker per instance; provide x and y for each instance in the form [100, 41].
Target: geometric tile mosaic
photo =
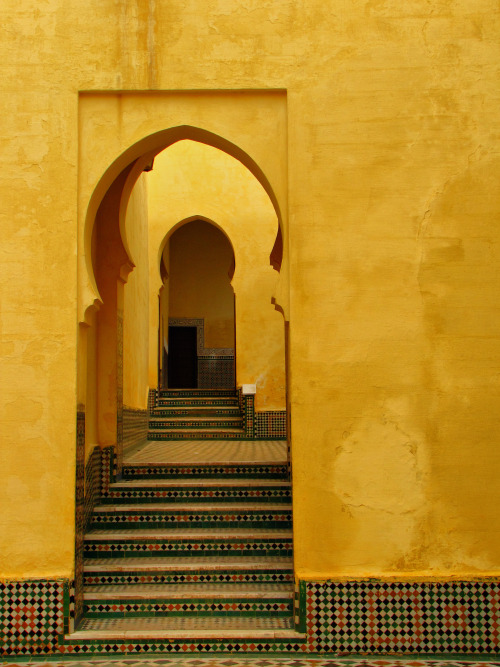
[242, 661]
[397, 617]
[270, 424]
[32, 615]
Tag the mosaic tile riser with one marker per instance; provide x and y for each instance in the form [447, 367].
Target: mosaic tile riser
[348, 617]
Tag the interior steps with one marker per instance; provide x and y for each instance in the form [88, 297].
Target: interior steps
[196, 414]
[199, 552]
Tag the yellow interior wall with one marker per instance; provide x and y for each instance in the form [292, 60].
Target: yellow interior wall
[136, 302]
[199, 286]
[190, 178]
[388, 188]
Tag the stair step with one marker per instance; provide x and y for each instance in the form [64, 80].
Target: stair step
[191, 591]
[206, 491]
[193, 434]
[197, 391]
[154, 542]
[185, 534]
[170, 570]
[194, 401]
[248, 630]
[189, 599]
[189, 564]
[271, 469]
[175, 423]
[196, 411]
[193, 515]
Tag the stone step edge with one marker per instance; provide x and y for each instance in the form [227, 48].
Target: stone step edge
[112, 596]
[201, 565]
[198, 483]
[211, 431]
[248, 636]
[193, 508]
[188, 535]
[208, 464]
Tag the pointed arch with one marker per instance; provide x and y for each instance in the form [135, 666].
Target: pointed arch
[138, 158]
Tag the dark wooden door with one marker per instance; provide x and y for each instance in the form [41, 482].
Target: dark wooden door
[182, 358]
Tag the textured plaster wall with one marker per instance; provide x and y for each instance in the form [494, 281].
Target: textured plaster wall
[390, 175]
[136, 302]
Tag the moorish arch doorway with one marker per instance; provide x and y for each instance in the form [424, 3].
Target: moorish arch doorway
[112, 225]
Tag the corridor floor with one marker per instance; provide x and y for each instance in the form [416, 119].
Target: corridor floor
[208, 451]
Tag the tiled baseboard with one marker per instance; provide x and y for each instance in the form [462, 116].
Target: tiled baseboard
[353, 617]
[262, 424]
[453, 617]
[270, 425]
[34, 615]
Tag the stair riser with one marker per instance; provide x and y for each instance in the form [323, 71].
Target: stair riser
[182, 577]
[206, 472]
[194, 495]
[221, 412]
[196, 392]
[154, 548]
[197, 435]
[198, 424]
[196, 403]
[186, 607]
[179, 522]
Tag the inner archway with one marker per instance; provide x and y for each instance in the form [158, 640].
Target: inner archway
[197, 309]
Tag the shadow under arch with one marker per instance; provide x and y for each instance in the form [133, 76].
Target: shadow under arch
[208, 370]
[180, 224]
[138, 157]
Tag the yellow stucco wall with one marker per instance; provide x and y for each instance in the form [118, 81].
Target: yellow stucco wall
[382, 156]
[136, 302]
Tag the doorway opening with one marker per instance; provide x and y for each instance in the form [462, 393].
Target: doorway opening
[182, 370]
[206, 413]
[197, 313]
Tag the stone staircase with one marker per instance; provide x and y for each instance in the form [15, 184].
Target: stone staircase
[196, 414]
[192, 551]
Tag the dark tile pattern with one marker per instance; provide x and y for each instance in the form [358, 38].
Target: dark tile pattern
[186, 494]
[216, 371]
[152, 399]
[248, 401]
[93, 476]
[186, 547]
[79, 516]
[135, 427]
[119, 389]
[214, 577]
[187, 607]
[32, 616]
[452, 618]
[270, 425]
[183, 471]
[397, 617]
[171, 518]
[87, 496]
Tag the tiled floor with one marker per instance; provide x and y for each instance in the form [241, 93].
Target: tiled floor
[211, 625]
[210, 451]
[252, 661]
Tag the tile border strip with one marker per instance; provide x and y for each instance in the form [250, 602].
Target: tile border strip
[351, 617]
